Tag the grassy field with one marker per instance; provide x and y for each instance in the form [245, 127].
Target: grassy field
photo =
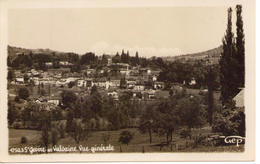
[139, 144]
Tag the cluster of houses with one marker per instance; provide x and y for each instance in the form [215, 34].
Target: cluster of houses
[136, 80]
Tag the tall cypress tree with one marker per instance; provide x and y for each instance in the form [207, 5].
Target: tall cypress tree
[137, 58]
[211, 77]
[228, 64]
[240, 46]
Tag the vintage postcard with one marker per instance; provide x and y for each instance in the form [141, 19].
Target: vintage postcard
[86, 81]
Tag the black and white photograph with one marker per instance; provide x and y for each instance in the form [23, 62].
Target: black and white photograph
[125, 79]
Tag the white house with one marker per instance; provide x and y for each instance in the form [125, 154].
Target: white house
[158, 85]
[70, 79]
[139, 87]
[19, 79]
[154, 78]
[55, 102]
[192, 82]
[113, 93]
[81, 83]
[100, 82]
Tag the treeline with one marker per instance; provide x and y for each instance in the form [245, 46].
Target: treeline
[37, 61]
[180, 112]
[177, 72]
[92, 108]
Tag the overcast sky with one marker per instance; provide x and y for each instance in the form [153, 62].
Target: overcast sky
[157, 31]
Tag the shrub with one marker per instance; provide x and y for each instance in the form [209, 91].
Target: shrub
[17, 125]
[185, 133]
[61, 128]
[71, 84]
[230, 122]
[23, 93]
[139, 95]
[23, 139]
[54, 137]
[17, 99]
[125, 137]
[199, 140]
[106, 137]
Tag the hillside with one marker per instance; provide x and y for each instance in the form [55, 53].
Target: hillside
[212, 54]
[17, 50]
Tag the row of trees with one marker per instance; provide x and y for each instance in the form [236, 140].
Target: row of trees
[232, 61]
[177, 72]
[166, 116]
[231, 121]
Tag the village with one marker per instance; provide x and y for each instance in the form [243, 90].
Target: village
[134, 79]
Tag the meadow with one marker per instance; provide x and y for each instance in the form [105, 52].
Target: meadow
[139, 144]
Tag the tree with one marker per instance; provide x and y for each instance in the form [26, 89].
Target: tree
[86, 112]
[139, 95]
[87, 58]
[68, 98]
[56, 114]
[71, 84]
[113, 117]
[171, 92]
[43, 92]
[49, 89]
[76, 107]
[116, 59]
[167, 119]
[12, 113]
[240, 46]
[26, 77]
[96, 103]
[93, 89]
[231, 121]
[45, 136]
[125, 137]
[211, 77]
[192, 112]
[122, 83]
[56, 64]
[147, 121]
[127, 57]
[137, 58]
[144, 62]
[76, 68]
[168, 85]
[79, 132]
[10, 75]
[30, 86]
[71, 116]
[39, 89]
[23, 93]
[228, 64]
[54, 136]
[9, 63]
[42, 85]
[104, 59]
[105, 73]
[61, 129]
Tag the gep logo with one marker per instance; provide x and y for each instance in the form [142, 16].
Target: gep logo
[234, 139]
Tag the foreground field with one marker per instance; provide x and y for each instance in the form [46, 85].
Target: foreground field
[139, 144]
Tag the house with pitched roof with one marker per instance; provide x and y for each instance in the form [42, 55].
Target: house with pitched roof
[239, 98]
